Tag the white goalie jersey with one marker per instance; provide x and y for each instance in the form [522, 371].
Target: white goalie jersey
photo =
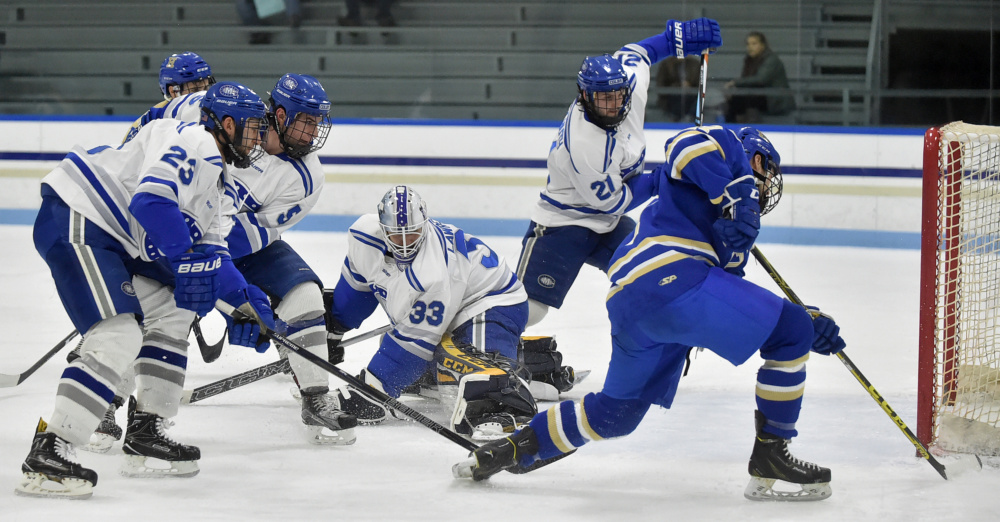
[586, 163]
[167, 158]
[453, 278]
[272, 194]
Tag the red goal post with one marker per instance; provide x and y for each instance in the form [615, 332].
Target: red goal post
[958, 398]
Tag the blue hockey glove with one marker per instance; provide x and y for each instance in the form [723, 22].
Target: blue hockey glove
[740, 222]
[196, 281]
[694, 37]
[255, 308]
[826, 337]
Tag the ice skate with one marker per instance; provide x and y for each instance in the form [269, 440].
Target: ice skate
[771, 462]
[325, 422]
[108, 431]
[149, 452]
[49, 472]
[494, 457]
[367, 411]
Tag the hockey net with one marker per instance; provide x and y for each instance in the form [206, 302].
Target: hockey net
[959, 368]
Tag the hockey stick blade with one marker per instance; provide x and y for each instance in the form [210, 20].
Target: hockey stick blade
[921, 449]
[261, 372]
[209, 352]
[358, 384]
[7, 381]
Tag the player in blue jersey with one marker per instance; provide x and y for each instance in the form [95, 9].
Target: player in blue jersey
[677, 283]
[580, 216]
[134, 235]
[181, 76]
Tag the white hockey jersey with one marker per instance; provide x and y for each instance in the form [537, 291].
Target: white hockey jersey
[273, 194]
[586, 163]
[453, 278]
[184, 108]
[168, 158]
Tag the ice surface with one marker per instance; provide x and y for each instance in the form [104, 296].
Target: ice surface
[686, 463]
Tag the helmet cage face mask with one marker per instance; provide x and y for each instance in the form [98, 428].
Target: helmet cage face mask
[606, 75]
[184, 73]
[769, 182]
[248, 112]
[402, 215]
[307, 122]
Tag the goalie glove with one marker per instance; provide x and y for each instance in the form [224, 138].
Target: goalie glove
[694, 36]
[826, 333]
[740, 222]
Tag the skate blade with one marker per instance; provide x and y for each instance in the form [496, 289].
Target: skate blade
[761, 489]
[40, 485]
[322, 436]
[138, 466]
[99, 443]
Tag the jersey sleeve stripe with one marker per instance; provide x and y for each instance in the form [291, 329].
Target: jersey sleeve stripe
[168, 183]
[584, 210]
[688, 154]
[368, 240]
[412, 279]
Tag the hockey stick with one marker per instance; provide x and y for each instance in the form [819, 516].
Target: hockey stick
[699, 117]
[359, 385]
[7, 381]
[209, 352]
[921, 449]
[261, 372]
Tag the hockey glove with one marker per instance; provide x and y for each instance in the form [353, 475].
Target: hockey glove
[694, 37]
[196, 281]
[740, 222]
[826, 337]
[255, 308]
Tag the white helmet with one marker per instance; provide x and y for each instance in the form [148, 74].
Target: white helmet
[402, 215]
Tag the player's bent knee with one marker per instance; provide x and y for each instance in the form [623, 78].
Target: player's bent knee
[301, 303]
[791, 337]
[113, 343]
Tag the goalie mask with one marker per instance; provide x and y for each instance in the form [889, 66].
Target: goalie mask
[249, 114]
[769, 182]
[402, 216]
[306, 123]
[184, 73]
[605, 92]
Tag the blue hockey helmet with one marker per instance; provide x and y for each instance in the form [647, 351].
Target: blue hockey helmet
[402, 215]
[769, 182]
[604, 74]
[306, 123]
[180, 69]
[232, 100]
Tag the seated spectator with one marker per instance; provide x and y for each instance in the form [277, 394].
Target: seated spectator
[258, 12]
[675, 72]
[382, 14]
[761, 68]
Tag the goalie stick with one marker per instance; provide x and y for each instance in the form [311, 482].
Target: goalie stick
[261, 372]
[366, 390]
[921, 449]
[7, 381]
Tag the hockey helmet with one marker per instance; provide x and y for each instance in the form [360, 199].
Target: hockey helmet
[179, 69]
[307, 121]
[232, 100]
[604, 74]
[402, 215]
[769, 182]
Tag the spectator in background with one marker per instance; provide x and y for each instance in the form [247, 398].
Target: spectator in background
[260, 12]
[675, 72]
[382, 14]
[761, 68]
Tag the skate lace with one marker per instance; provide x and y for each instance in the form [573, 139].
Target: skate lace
[161, 427]
[324, 405]
[796, 461]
